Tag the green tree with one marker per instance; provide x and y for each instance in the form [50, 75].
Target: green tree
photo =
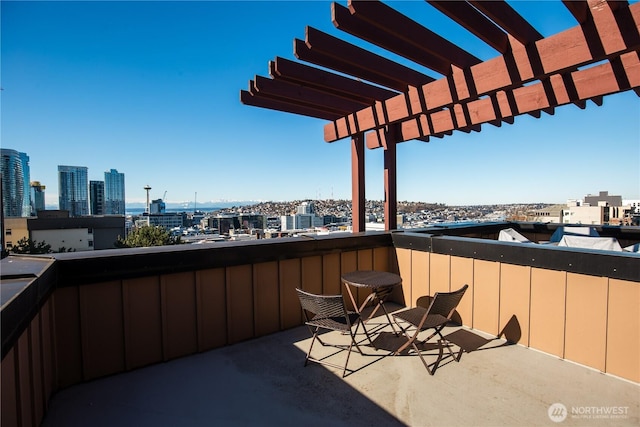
[148, 236]
[28, 246]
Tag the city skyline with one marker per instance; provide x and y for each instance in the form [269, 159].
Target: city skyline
[149, 90]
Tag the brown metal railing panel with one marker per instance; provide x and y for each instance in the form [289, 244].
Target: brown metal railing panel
[9, 396]
[24, 378]
[420, 273]
[36, 369]
[290, 273]
[48, 350]
[266, 298]
[382, 259]
[586, 325]
[365, 262]
[240, 311]
[440, 273]
[403, 257]
[179, 318]
[212, 308]
[142, 322]
[548, 289]
[515, 293]
[102, 329]
[623, 330]
[67, 337]
[331, 274]
[462, 273]
[486, 296]
[349, 262]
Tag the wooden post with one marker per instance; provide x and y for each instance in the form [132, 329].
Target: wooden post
[390, 182]
[357, 183]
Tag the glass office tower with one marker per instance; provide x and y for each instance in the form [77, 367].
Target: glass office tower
[14, 169]
[73, 190]
[114, 193]
[96, 197]
[37, 197]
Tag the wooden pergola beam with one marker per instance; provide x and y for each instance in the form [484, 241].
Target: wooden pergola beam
[556, 54]
[590, 84]
[392, 24]
[362, 58]
[314, 56]
[508, 19]
[311, 77]
[303, 95]
[344, 20]
[248, 98]
[476, 22]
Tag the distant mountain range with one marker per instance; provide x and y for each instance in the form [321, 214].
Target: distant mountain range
[187, 206]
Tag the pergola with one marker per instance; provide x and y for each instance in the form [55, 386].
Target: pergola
[385, 103]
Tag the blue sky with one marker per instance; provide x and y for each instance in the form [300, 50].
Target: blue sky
[152, 89]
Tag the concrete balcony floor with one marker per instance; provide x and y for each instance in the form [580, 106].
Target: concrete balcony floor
[264, 382]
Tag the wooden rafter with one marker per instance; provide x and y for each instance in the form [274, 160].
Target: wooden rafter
[398, 25]
[475, 21]
[361, 58]
[303, 95]
[311, 77]
[256, 100]
[508, 19]
[353, 24]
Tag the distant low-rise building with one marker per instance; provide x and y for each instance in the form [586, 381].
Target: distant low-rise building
[554, 214]
[601, 209]
[166, 220]
[223, 223]
[602, 199]
[62, 232]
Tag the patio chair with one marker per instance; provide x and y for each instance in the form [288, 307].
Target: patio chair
[328, 312]
[436, 317]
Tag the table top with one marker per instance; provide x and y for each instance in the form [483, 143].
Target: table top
[371, 278]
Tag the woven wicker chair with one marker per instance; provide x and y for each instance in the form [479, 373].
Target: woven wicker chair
[415, 320]
[328, 312]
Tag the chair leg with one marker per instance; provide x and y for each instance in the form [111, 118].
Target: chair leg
[386, 313]
[344, 371]
[313, 340]
[410, 340]
[448, 345]
[314, 332]
[424, 362]
[364, 328]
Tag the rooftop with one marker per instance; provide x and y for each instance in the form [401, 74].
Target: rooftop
[213, 334]
[264, 382]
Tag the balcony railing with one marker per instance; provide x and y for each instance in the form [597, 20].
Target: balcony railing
[75, 317]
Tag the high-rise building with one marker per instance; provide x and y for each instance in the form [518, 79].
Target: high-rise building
[73, 190]
[37, 197]
[14, 170]
[96, 197]
[114, 193]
